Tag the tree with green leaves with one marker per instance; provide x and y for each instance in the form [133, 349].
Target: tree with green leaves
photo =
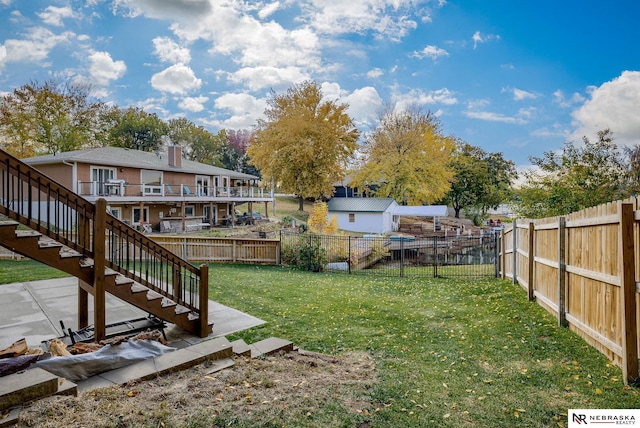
[305, 142]
[134, 128]
[406, 157]
[481, 180]
[578, 177]
[48, 118]
[197, 143]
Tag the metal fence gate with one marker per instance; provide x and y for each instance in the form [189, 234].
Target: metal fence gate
[470, 256]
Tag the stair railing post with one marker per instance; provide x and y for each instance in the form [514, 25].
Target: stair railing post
[204, 300]
[99, 265]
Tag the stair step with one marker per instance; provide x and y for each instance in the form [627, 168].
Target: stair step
[29, 385]
[138, 288]
[240, 347]
[270, 346]
[68, 253]
[181, 359]
[86, 263]
[152, 295]
[27, 233]
[8, 223]
[48, 243]
[167, 303]
[123, 280]
[181, 310]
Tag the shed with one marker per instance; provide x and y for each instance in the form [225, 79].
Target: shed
[367, 215]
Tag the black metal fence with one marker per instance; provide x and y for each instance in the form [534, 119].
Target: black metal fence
[470, 256]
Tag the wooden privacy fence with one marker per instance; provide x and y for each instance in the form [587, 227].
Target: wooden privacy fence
[584, 269]
[233, 250]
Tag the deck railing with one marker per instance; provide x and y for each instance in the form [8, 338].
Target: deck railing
[115, 188]
[35, 200]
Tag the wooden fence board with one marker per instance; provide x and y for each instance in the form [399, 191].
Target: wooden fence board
[602, 280]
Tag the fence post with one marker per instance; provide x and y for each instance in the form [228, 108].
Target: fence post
[496, 253]
[626, 268]
[515, 250]
[435, 256]
[401, 256]
[503, 254]
[532, 256]
[562, 272]
[349, 254]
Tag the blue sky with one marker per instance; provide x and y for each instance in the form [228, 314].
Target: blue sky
[517, 77]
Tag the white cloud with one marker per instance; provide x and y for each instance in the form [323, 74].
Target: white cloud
[432, 52]
[519, 95]
[375, 73]
[54, 15]
[479, 38]
[385, 18]
[36, 45]
[169, 51]
[104, 69]
[256, 78]
[493, 117]
[177, 79]
[564, 102]
[3, 55]
[612, 105]
[418, 97]
[193, 104]
[245, 109]
[269, 9]
[364, 105]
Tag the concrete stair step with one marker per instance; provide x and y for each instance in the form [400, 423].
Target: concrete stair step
[181, 359]
[270, 346]
[219, 365]
[241, 348]
[33, 384]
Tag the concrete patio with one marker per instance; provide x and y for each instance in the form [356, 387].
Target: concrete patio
[33, 310]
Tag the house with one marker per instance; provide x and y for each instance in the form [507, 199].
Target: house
[368, 215]
[150, 191]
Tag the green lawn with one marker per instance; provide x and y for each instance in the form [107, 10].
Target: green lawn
[447, 352]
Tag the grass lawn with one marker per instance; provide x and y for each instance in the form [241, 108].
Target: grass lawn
[26, 270]
[448, 352]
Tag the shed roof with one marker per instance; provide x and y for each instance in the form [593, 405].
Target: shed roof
[118, 156]
[421, 211]
[360, 204]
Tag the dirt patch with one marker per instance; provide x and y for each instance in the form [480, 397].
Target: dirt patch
[281, 390]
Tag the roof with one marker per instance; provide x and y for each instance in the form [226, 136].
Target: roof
[122, 157]
[422, 211]
[360, 204]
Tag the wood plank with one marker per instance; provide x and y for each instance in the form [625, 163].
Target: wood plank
[628, 295]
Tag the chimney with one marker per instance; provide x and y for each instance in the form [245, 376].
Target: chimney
[175, 156]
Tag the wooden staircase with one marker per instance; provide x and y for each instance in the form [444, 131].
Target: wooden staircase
[124, 263]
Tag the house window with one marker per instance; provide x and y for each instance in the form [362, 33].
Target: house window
[189, 211]
[116, 212]
[352, 218]
[99, 176]
[153, 178]
[202, 185]
[135, 215]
